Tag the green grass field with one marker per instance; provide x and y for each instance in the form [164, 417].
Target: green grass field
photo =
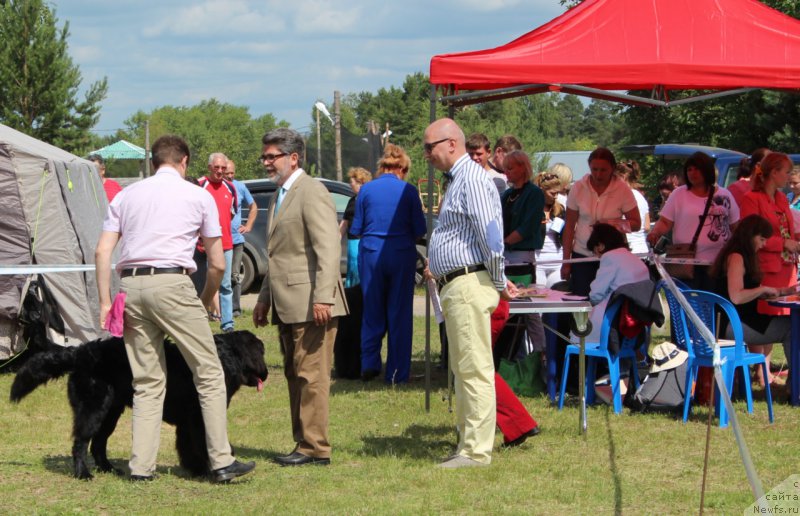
[385, 447]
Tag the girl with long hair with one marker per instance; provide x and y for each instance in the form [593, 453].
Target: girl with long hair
[738, 277]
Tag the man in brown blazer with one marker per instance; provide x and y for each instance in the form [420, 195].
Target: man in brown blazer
[303, 288]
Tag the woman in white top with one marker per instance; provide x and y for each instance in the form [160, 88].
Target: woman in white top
[684, 209]
[618, 267]
[629, 172]
[600, 196]
[552, 225]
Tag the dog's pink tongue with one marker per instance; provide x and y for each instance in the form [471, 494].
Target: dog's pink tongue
[260, 386]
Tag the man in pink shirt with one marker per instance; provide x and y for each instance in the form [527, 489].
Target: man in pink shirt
[224, 194]
[156, 223]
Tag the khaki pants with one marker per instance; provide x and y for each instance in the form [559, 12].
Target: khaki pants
[307, 359]
[168, 304]
[467, 303]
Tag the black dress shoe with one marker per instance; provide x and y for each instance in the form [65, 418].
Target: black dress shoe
[141, 478]
[237, 469]
[522, 438]
[369, 374]
[298, 459]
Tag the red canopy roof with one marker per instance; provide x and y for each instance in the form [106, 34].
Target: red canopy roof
[640, 44]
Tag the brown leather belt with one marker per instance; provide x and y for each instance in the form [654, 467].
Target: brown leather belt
[450, 276]
[150, 271]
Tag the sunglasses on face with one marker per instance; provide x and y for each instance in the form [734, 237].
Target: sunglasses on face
[428, 147]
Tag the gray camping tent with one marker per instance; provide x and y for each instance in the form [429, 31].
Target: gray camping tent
[52, 206]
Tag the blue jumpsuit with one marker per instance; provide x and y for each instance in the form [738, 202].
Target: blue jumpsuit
[389, 220]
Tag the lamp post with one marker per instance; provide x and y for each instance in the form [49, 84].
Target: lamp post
[320, 107]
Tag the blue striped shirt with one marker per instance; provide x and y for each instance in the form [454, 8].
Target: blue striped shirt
[470, 230]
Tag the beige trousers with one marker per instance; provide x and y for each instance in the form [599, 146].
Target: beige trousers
[167, 304]
[307, 361]
[467, 304]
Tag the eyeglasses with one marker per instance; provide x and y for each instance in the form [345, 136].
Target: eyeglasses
[270, 158]
[219, 167]
[428, 147]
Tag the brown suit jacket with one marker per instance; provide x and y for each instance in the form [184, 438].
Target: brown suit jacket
[303, 253]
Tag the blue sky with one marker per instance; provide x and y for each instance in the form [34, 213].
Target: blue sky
[274, 56]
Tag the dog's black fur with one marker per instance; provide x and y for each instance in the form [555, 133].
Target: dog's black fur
[100, 387]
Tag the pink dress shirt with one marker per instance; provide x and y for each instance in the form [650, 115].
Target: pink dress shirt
[159, 221]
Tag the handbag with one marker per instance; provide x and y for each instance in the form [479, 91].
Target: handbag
[687, 251]
[524, 376]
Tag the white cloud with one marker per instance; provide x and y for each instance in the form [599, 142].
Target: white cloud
[214, 17]
[83, 53]
[488, 5]
[322, 17]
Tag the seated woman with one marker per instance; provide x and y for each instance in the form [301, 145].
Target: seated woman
[738, 276]
[618, 266]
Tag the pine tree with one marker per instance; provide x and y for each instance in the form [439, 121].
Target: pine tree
[38, 80]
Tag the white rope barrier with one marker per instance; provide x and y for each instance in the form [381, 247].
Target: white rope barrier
[6, 270]
[590, 259]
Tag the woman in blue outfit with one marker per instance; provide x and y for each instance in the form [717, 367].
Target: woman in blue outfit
[389, 220]
[358, 178]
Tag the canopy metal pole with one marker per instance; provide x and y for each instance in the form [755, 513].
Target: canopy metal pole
[429, 217]
[529, 89]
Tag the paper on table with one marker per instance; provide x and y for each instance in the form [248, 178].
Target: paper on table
[435, 301]
[794, 298]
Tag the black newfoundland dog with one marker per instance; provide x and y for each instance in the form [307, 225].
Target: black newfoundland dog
[100, 387]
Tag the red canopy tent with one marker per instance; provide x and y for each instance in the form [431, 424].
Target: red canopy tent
[658, 45]
[603, 47]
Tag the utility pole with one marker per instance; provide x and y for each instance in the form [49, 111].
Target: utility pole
[147, 148]
[337, 113]
[319, 147]
[372, 159]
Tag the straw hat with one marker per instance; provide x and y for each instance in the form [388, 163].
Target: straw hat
[667, 356]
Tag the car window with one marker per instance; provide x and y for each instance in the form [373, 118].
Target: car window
[340, 201]
[730, 177]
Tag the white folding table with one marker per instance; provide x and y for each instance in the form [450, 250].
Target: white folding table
[556, 303]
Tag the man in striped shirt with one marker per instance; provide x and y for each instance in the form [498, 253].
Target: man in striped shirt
[466, 258]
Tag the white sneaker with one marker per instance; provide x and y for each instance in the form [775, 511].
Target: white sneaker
[459, 461]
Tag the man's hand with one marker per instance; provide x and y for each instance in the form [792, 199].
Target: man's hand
[510, 292]
[104, 309]
[244, 229]
[260, 314]
[566, 270]
[322, 314]
[426, 274]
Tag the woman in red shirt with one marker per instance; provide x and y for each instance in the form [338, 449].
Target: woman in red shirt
[778, 258]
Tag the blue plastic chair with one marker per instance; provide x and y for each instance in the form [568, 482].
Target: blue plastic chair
[599, 350]
[706, 305]
[675, 312]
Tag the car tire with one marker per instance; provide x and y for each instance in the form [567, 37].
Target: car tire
[247, 273]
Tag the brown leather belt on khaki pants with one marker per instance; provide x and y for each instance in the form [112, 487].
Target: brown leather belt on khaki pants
[450, 276]
[149, 271]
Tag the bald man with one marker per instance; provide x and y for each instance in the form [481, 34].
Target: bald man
[466, 258]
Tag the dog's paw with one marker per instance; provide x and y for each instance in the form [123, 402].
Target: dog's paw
[84, 475]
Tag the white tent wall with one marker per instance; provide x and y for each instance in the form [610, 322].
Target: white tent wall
[64, 204]
[14, 250]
